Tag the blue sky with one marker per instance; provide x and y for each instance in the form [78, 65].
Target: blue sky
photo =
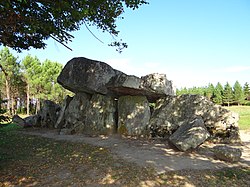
[194, 42]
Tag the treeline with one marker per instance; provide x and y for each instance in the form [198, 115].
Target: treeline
[25, 83]
[222, 95]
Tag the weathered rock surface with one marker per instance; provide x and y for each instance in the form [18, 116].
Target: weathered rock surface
[187, 120]
[75, 113]
[49, 114]
[190, 135]
[100, 117]
[20, 121]
[153, 86]
[61, 117]
[89, 76]
[158, 83]
[85, 75]
[227, 153]
[33, 121]
[133, 115]
[172, 112]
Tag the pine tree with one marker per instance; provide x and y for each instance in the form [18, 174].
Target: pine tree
[11, 69]
[217, 94]
[238, 93]
[32, 68]
[227, 96]
[209, 91]
[52, 90]
[246, 90]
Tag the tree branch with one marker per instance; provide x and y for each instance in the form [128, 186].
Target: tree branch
[5, 73]
[92, 33]
[61, 43]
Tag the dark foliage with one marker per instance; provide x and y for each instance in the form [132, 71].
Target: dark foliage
[27, 23]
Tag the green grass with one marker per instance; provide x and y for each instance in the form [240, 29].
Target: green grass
[244, 112]
[34, 161]
[31, 160]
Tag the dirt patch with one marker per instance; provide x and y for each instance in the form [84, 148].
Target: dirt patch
[154, 153]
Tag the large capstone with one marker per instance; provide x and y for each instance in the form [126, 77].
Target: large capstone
[153, 86]
[190, 135]
[101, 115]
[85, 75]
[133, 115]
[90, 76]
[173, 111]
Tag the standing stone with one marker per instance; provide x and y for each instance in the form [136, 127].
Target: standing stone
[75, 114]
[61, 118]
[100, 117]
[133, 115]
[190, 135]
[49, 114]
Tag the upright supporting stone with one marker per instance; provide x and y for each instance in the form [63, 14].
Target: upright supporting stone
[75, 114]
[61, 118]
[133, 115]
[49, 114]
[100, 117]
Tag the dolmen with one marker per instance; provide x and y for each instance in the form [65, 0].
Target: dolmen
[108, 101]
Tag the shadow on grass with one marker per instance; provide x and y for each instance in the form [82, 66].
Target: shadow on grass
[27, 160]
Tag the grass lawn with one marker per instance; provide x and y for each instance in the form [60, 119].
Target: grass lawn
[34, 161]
[244, 112]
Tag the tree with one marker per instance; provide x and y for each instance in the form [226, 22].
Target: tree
[217, 94]
[182, 91]
[238, 93]
[32, 71]
[246, 90]
[10, 68]
[227, 94]
[27, 23]
[209, 91]
[50, 72]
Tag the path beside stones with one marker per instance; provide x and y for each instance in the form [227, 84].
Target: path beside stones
[159, 155]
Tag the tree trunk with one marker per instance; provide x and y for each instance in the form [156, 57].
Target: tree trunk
[12, 106]
[18, 105]
[7, 93]
[37, 105]
[28, 99]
